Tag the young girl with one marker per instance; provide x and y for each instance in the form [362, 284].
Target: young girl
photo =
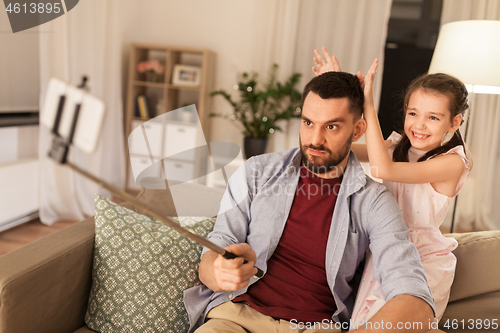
[434, 106]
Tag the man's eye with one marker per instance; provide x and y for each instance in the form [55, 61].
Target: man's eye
[331, 127]
[307, 122]
[434, 118]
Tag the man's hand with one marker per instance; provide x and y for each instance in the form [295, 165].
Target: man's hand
[220, 274]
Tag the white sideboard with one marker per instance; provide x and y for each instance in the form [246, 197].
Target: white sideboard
[18, 175]
[18, 192]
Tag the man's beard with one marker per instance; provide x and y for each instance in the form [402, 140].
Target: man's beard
[321, 165]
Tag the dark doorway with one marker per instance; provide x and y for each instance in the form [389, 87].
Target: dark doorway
[411, 38]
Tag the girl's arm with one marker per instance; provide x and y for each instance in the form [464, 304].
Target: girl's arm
[331, 64]
[360, 150]
[440, 169]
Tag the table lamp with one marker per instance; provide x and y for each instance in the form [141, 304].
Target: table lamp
[469, 51]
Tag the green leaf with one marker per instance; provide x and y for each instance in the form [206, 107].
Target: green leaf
[275, 101]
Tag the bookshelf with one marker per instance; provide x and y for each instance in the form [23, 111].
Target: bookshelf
[160, 96]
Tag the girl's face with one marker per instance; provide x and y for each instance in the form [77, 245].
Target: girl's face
[427, 120]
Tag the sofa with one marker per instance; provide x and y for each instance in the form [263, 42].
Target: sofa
[45, 285]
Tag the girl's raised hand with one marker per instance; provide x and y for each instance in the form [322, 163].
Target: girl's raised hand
[367, 82]
[331, 64]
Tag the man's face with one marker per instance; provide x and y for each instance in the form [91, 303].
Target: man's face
[326, 134]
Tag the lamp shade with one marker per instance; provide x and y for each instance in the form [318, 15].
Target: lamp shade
[470, 51]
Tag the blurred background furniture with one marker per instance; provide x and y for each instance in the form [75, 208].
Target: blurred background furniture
[161, 79]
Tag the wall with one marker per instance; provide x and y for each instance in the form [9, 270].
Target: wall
[223, 26]
[19, 67]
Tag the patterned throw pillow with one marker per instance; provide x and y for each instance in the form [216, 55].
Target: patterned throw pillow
[141, 267]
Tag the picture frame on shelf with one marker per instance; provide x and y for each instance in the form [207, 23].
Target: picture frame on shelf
[184, 75]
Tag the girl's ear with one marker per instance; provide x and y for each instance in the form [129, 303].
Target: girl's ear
[457, 121]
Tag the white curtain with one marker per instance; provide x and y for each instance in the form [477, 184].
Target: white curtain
[477, 206]
[289, 30]
[85, 41]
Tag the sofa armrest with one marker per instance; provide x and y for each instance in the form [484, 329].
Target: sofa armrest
[475, 293]
[45, 285]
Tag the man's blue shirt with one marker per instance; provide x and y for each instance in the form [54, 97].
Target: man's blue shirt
[255, 208]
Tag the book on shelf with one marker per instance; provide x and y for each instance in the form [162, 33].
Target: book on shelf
[137, 111]
[142, 107]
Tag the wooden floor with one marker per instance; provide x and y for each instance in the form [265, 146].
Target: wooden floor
[28, 232]
[31, 231]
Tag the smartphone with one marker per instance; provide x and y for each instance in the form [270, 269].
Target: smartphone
[90, 117]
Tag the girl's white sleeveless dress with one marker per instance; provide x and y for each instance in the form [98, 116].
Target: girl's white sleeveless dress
[423, 210]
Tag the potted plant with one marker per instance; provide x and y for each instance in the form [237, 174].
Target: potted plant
[259, 109]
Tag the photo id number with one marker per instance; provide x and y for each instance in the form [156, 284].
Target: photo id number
[33, 8]
[472, 324]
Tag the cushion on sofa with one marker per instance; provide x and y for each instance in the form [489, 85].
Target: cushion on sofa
[475, 293]
[140, 269]
[469, 278]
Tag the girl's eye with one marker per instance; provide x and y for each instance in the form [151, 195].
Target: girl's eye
[412, 114]
[331, 127]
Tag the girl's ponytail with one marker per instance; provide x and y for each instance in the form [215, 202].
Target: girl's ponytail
[400, 153]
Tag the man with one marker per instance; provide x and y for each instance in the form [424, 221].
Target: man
[306, 217]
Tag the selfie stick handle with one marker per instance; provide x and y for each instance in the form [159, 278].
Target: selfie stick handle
[189, 233]
[59, 152]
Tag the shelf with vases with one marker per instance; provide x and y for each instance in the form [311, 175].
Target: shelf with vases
[184, 132]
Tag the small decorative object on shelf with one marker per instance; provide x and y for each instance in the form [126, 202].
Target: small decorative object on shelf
[186, 75]
[153, 70]
[258, 111]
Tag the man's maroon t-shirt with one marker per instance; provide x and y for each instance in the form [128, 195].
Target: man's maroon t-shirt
[295, 285]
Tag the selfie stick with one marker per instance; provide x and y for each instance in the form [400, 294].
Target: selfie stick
[59, 152]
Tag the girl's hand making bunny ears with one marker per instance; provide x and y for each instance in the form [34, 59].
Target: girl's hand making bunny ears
[331, 64]
[367, 82]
